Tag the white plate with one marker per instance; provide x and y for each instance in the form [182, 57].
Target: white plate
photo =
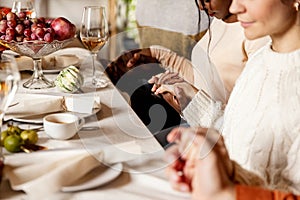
[71, 60]
[95, 178]
[51, 64]
[38, 119]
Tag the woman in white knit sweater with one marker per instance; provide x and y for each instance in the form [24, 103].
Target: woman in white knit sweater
[261, 120]
[224, 36]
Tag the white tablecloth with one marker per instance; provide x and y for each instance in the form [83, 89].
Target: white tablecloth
[131, 185]
[143, 176]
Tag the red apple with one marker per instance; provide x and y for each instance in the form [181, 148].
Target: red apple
[4, 10]
[63, 28]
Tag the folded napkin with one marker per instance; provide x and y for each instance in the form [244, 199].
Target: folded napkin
[36, 104]
[50, 62]
[44, 173]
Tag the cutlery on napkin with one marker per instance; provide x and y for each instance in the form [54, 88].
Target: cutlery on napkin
[28, 105]
[46, 172]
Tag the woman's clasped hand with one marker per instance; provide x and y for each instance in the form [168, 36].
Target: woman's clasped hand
[198, 151]
[175, 90]
[199, 163]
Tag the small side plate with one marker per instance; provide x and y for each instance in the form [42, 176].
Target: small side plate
[38, 119]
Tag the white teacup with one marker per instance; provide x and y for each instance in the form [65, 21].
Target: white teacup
[62, 126]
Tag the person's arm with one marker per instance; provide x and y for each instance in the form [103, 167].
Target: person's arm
[200, 164]
[244, 192]
[127, 61]
[201, 171]
[173, 62]
[204, 111]
[196, 106]
[290, 176]
[156, 54]
[289, 180]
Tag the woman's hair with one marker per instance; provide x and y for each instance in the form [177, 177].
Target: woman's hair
[199, 21]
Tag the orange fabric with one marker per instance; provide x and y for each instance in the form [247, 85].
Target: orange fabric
[256, 193]
[286, 196]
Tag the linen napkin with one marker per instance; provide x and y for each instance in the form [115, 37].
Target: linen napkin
[49, 62]
[46, 172]
[26, 105]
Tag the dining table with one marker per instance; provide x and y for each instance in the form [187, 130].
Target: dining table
[112, 130]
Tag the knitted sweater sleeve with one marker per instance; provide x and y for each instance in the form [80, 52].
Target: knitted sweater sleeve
[171, 61]
[290, 173]
[202, 110]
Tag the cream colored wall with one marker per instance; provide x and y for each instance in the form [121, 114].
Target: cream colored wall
[71, 9]
[5, 3]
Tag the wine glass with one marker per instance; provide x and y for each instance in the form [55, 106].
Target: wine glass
[94, 34]
[24, 6]
[9, 82]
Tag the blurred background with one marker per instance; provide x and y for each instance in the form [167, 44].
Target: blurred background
[175, 24]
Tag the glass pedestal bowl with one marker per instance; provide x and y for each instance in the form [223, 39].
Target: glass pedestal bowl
[36, 50]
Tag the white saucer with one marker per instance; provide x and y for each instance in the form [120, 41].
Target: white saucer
[95, 178]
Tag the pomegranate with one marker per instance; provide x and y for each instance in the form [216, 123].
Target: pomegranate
[63, 28]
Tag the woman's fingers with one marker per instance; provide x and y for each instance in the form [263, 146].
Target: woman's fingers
[121, 61]
[172, 79]
[192, 141]
[180, 186]
[153, 80]
[183, 99]
[172, 155]
[134, 60]
[166, 76]
[175, 170]
[161, 89]
[177, 180]
[175, 134]
[171, 100]
[169, 78]
[154, 88]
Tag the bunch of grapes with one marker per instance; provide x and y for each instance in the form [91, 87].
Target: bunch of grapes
[19, 28]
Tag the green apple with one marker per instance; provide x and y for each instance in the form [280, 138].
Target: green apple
[14, 129]
[12, 143]
[4, 134]
[29, 136]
